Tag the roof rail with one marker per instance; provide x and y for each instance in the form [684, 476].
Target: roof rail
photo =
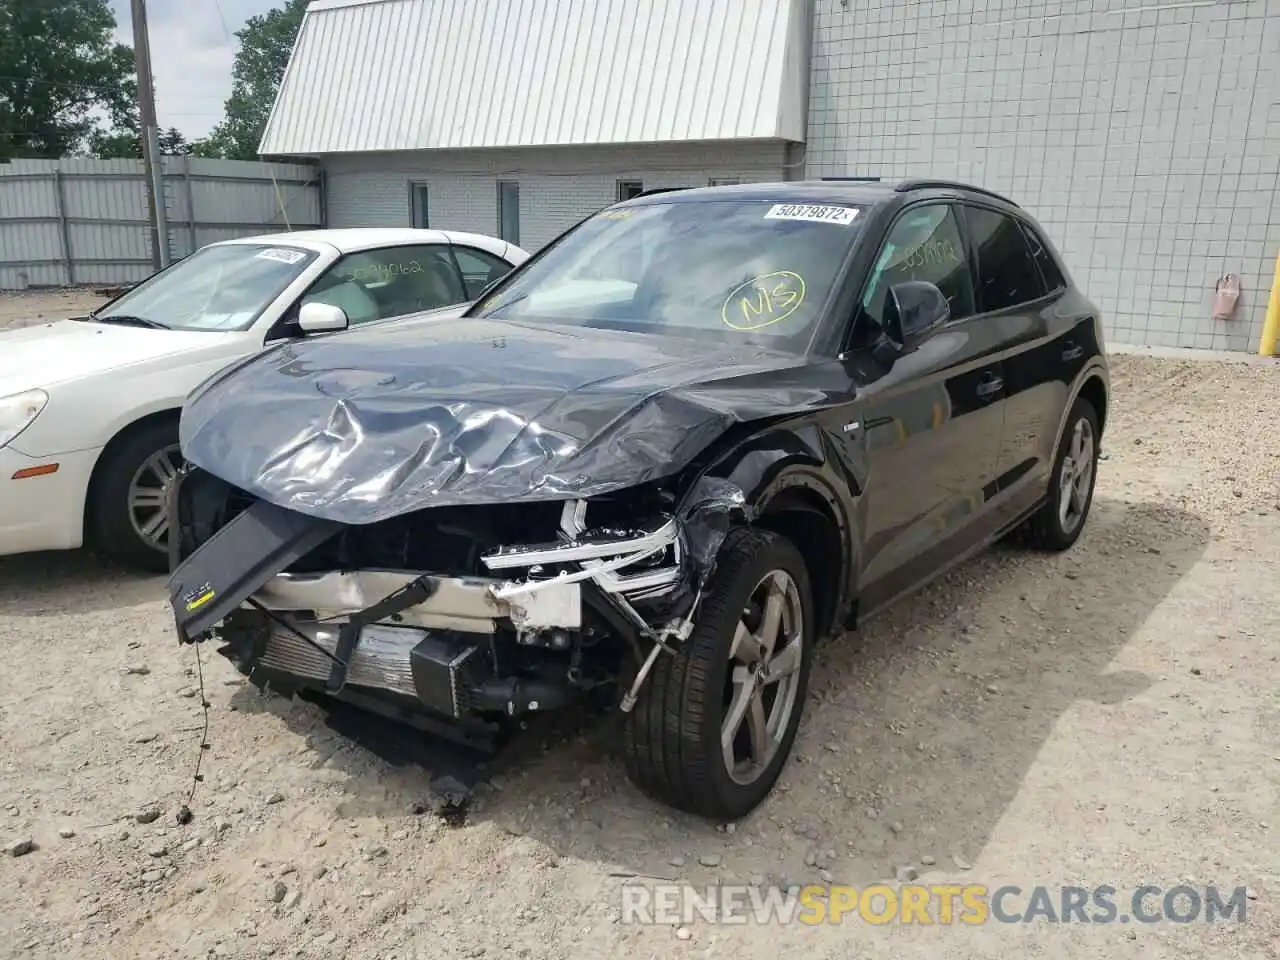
[650, 193]
[927, 184]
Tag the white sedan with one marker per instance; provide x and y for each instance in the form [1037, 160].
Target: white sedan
[89, 407]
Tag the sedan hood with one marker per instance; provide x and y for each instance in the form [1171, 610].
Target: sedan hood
[375, 423]
[53, 353]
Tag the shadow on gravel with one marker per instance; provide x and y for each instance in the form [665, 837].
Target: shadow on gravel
[74, 581]
[919, 731]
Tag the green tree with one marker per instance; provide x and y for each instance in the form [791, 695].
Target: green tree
[128, 143]
[58, 63]
[265, 44]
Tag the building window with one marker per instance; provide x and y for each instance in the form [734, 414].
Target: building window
[509, 211]
[629, 188]
[723, 181]
[418, 206]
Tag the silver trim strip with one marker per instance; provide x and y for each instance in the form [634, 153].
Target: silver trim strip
[576, 552]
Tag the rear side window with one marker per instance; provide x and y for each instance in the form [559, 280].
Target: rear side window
[1044, 260]
[1007, 274]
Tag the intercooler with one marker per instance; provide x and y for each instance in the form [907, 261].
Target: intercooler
[424, 665]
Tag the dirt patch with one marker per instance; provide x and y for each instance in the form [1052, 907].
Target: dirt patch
[1107, 716]
[31, 307]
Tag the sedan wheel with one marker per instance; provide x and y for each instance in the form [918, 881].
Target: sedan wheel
[715, 721]
[126, 515]
[149, 496]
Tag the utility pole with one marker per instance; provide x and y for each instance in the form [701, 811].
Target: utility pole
[150, 137]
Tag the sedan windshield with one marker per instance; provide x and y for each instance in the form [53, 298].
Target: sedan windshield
[753, 272]
[216, 288]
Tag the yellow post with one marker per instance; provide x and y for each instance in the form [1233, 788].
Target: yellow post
[1271, 326]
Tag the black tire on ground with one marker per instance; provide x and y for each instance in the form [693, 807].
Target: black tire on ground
[1045, 530]
[109, 522]
[672, 736]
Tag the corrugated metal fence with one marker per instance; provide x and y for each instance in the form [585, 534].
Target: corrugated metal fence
[72, 221]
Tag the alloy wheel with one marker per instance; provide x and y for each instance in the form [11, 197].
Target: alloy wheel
[764, 677]
[1076, 480]
[149, 494]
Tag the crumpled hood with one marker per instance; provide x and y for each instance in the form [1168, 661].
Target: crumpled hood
[52, 353]
[374, 423]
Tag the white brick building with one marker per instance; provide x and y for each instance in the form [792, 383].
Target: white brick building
[1145, 135]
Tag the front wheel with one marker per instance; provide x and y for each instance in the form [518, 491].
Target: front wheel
[715, 723]
[128, 518]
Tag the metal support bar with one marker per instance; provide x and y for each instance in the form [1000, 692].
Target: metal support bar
[64, 231]
[118, 222]
[82, 261]
[1271, 326]
[191, 203]
[162, 205]
[204, 177]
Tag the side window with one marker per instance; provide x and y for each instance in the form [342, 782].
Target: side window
[1007, 276]
[479, 269]
[923, 244]
[1053, 278]
[377, 284]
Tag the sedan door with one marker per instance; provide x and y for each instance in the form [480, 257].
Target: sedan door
[931, 419]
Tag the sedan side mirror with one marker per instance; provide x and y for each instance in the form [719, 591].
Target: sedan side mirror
[915, 308]
[318, 317]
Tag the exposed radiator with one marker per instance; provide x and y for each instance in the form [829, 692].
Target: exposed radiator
[380, 660]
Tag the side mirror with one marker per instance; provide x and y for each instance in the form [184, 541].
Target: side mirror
[915, 308]
[321, 318]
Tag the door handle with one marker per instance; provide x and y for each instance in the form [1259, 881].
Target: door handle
[1072, 352]
[991, 384]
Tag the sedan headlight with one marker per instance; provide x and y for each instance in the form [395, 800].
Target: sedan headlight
[18, 411]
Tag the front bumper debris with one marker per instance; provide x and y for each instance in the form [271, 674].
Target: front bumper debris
[432, 641]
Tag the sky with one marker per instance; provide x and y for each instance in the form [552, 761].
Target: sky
[192, 49]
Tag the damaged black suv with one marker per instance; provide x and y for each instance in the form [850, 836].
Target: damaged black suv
[657, 463]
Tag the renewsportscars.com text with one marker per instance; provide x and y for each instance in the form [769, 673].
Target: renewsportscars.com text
[924, 904]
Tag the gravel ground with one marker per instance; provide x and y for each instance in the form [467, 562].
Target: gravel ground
[1107, 716]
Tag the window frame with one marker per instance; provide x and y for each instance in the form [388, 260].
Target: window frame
[502, 205]
[287, 325]
[482, 253]
[425, 209]
[1031, 233]
[962, 228]
[622, 186]
[975, 264]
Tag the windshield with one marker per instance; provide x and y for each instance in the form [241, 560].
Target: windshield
[216, 288]
[753, 272]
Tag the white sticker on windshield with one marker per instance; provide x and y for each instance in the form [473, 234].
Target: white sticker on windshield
[818, 214]
[284, 256]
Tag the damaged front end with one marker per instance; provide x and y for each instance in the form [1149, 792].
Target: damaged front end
[452, 618]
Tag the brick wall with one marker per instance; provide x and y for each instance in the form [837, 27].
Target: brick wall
[558, 186]
[1144, 135]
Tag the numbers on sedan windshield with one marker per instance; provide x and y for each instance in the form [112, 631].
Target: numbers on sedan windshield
[763, 301]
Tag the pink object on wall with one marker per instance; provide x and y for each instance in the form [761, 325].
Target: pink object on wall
[1225, 296]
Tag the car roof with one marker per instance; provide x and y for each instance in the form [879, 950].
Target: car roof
[859, 192]
[354, 239]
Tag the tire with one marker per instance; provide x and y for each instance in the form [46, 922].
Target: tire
[1051, 528]
[116, 525]
[672, 738]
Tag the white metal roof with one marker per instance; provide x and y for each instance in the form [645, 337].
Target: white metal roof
[353, 239]
[371, 75]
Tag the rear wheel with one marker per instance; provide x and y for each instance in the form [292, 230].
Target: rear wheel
[127, 508]
[715, 723]
[1057, 525]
